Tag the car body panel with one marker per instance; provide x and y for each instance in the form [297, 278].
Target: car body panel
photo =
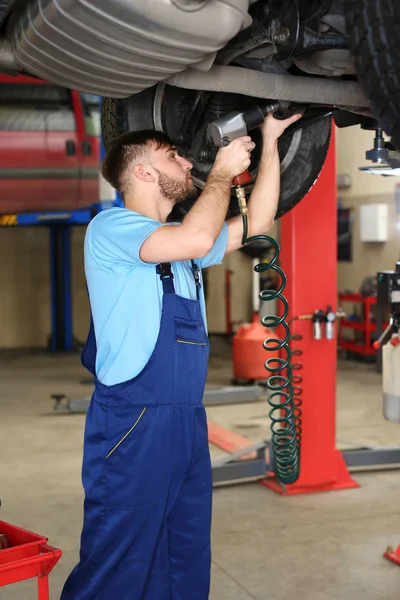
[44, 158]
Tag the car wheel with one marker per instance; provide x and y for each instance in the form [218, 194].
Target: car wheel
[169, 109]
[374, 41]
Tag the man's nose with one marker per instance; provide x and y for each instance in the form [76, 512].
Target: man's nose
[187, 165]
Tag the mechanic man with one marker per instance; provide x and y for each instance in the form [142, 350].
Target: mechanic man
[146, 465]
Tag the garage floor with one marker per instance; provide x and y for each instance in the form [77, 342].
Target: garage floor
[319, 547]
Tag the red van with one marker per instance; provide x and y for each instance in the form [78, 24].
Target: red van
[49, 146]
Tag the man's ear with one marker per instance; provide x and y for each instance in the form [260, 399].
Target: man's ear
[144, 173]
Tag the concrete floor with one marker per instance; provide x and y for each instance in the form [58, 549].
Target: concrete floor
[318, 547]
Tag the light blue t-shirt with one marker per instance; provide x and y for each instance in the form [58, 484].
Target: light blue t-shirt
[126, 293]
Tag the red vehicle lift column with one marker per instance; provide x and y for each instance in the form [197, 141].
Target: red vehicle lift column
[308, 243]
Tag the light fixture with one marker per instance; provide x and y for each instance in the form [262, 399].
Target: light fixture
[384, 156]
[383, 170]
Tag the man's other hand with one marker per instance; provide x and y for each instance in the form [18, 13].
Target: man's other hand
[273, 128]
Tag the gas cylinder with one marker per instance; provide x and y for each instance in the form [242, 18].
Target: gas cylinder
[249, 355]
[391, 379]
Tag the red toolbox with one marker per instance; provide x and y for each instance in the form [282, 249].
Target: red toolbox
[27, 556]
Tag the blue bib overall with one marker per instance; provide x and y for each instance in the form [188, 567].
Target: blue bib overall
[146, 469]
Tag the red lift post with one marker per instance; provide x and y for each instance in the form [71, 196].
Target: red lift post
[308, 241]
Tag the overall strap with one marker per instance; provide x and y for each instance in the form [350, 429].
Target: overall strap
[89, 350]
[167, 277]
[196, 275]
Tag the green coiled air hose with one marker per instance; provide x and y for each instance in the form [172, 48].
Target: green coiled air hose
[284, 413]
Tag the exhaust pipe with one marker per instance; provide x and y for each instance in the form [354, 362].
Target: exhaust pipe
[238, 80]
[291, 88]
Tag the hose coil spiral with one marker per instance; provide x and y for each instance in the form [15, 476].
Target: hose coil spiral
[284, 397]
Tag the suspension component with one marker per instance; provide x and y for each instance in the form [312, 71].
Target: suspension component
[220, 104]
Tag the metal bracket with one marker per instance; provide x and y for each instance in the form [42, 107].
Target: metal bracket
[372, 457]
[65, 405]
[214, 397]
[232, 469]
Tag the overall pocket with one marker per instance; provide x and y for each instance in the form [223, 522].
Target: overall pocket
[191, 360]
[130, 448]
[123, 438]
[190, 332]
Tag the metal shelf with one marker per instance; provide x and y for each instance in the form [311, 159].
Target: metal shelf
[367, 326]
[48, 218]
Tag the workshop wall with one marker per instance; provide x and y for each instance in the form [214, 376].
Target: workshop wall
[367, 258]
[25, 287]
[241, 296]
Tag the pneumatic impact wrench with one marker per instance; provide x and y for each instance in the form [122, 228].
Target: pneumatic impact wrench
[237, 124]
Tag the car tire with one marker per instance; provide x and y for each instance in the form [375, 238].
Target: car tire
[374, 42]
[300, 174]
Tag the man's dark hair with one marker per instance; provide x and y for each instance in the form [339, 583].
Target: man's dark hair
[128, 148]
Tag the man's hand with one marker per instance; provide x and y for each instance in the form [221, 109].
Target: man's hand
[235, 158]
[273, 128]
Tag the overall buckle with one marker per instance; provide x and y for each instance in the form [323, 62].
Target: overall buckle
[164, 270]
[196, 274]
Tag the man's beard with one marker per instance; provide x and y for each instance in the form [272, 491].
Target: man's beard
[175, 190]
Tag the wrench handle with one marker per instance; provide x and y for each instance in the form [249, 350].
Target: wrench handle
[385, 337]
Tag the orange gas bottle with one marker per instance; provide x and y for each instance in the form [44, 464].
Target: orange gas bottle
[249, 355]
